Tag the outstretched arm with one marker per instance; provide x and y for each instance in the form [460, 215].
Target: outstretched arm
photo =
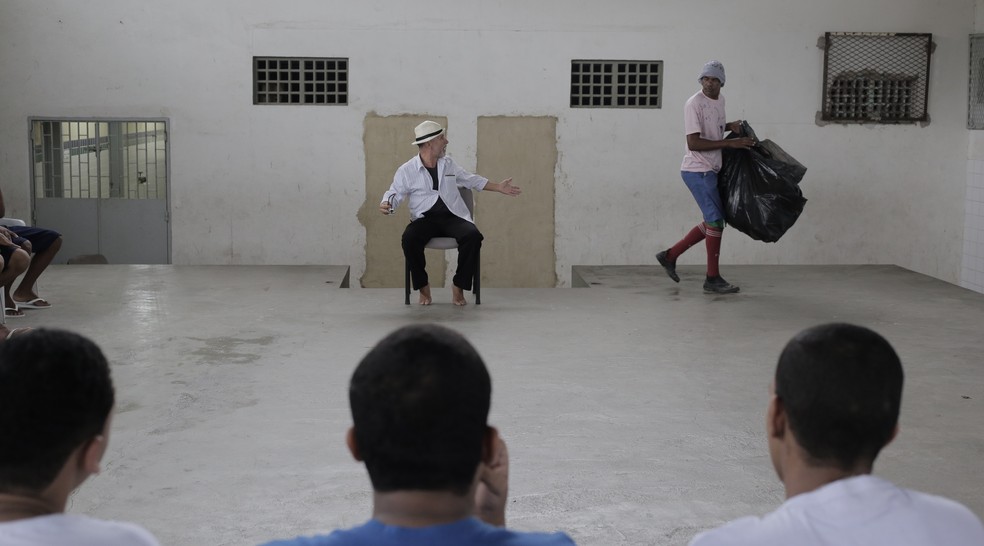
[493, 486]
[505, 187]
[698, 144]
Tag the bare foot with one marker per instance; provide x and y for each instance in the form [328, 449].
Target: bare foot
[425, 295]
[458, 296]
[31, 300]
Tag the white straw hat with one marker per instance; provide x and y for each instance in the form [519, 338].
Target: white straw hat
[427, 131]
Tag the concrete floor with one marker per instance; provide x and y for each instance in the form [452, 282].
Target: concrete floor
[633, 409]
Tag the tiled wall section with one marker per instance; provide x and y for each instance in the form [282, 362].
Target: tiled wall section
[972, 272]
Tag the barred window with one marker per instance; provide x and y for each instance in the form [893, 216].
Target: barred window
[876, 78]
[975, 103]
[616, 84]
[300, 80]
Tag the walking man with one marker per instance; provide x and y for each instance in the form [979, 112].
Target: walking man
[705, 125]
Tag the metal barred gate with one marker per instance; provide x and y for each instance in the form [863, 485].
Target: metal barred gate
[104, 185]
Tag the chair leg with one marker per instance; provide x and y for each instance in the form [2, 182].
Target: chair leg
[406, 282]
[478, 277]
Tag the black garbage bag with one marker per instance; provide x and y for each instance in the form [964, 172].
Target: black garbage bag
[760, 189]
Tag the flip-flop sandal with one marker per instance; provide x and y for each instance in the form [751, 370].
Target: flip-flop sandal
[36, 303]
[18, 331]
[13, 312]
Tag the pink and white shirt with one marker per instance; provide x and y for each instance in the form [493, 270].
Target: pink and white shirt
[705, 116]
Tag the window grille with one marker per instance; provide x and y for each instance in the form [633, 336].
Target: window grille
[975, 103]
[300, 80]
[876, 78]
[616, 84]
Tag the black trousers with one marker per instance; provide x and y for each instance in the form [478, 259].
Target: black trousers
[426, 228]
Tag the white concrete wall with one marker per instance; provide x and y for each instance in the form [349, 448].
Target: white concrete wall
[972, 271]
[281, 185]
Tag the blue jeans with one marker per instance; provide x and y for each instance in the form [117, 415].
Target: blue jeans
[704, 187]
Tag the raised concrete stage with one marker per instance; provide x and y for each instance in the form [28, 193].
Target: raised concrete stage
[634, 410]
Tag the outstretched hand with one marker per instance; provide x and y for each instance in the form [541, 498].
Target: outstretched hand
[741, 142]
[507, 188]
[493, 486]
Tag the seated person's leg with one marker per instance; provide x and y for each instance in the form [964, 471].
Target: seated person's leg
[4, 255]
[16, 261]
[469, 242]
[415, 236]
[45, 244]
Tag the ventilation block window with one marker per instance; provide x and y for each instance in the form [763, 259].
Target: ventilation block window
[616, 84]
[975, 103]
[876, 77]
[300, 80]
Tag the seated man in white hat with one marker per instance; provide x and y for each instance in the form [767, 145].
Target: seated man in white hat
[430, 183]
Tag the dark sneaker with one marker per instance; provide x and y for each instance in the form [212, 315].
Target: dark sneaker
[669, 266]
[717, 285]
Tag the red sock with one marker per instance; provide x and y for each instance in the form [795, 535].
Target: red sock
[691, 239]
[713, 250]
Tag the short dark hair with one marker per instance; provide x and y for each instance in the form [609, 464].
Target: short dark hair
[55, 394]
[420, 403]
[841, 386]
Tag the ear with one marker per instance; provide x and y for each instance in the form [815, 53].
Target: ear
[353, 447]
[489, 442]
[775, 421]
[92, 454]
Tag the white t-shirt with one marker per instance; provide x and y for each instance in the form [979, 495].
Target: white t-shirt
[705, 116]
[73, 530]
[863, 510]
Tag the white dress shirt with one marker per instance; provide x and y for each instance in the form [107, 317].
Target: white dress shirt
[413, 182]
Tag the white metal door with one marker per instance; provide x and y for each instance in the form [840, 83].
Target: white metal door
[103, 184]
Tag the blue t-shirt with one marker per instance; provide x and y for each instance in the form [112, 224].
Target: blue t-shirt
[469, 531]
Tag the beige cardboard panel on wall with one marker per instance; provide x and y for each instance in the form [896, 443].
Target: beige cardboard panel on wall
[518, 250]
[388, 143]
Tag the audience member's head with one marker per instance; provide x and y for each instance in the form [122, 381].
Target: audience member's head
[420, 402]
[440, 474]
[840, 388]
[55, 399]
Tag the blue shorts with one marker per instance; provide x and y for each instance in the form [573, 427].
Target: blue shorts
[704, 187]
[40, 238]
